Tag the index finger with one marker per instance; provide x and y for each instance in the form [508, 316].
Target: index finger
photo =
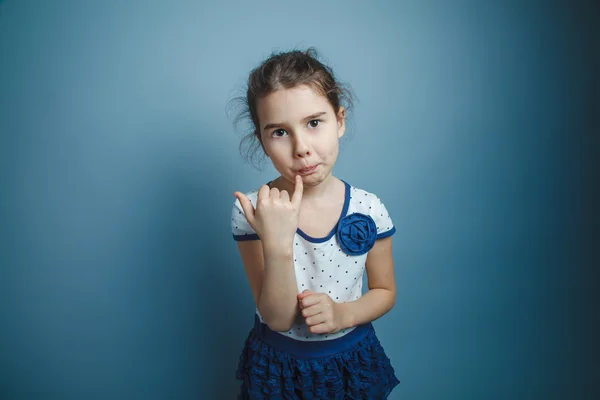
[304, 293]
[298, 190]
[310, 300]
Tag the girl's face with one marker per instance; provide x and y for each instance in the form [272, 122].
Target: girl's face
[300, 132]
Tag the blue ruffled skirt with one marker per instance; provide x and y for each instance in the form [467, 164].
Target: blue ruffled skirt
[354, 366]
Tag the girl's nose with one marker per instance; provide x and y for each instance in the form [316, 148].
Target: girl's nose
[302, 149]
[303, 153]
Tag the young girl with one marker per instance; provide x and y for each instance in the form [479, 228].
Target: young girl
[305, 240]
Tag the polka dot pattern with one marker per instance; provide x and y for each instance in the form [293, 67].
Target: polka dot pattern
[322, 266]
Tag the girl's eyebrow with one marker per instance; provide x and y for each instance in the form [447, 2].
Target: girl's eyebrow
[312, 116]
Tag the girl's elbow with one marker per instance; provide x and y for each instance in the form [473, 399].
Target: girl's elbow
[276, 322]
[277, 325]
[280, 327]
[392, 300]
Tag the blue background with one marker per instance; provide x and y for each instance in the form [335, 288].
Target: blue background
[477, 125]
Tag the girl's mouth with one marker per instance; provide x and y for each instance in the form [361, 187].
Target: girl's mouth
[307, 171]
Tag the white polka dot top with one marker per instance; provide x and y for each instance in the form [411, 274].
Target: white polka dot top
[325, 265]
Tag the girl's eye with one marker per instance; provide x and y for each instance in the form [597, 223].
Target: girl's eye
[279, 133]
[314, 123]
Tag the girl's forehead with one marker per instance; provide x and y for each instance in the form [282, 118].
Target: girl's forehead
[291, 104]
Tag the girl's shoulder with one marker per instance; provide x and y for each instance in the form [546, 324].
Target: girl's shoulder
[251, 195]
[362, 199]
[360, 191]
[368, 203]
[240, 227]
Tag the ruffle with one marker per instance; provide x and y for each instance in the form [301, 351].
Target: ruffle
[364, 372]
[356, 234]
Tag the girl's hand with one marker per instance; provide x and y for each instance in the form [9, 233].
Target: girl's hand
[321, 313]
[275, 219]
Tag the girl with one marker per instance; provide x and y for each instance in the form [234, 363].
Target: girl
[305, 240]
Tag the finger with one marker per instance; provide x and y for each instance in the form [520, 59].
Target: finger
[320, 328]
[311, 311]
[274, 193]
[316, 319]
[302, 307]
[246, 206]
[304, 293]
[311, 300]
[284, 195]
[263, 193]
[301, 296]
[298, 190]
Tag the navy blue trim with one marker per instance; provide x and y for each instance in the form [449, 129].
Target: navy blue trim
[300, 232]
[313, 348]
[342, 215]
[387, 233]
[246, 236]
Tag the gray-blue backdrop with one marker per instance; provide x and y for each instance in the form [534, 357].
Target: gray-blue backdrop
[477, 124]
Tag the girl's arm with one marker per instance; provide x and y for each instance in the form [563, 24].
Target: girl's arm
[269, 262]
[381, 296]
[270, 271]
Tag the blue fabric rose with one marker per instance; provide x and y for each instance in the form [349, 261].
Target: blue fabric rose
[356, 234]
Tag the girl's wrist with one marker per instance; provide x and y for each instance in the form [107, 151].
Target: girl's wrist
[277, 249]
[347, 315]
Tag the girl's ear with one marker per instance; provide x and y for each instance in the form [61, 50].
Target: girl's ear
[341, 119]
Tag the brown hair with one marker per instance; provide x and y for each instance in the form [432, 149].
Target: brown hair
[285, 70]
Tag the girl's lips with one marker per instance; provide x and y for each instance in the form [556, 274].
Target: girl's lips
[307, 171]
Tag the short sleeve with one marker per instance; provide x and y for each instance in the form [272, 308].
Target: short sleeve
[383, 221]
[240, 228]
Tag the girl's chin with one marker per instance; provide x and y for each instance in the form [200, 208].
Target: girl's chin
[313, 179]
